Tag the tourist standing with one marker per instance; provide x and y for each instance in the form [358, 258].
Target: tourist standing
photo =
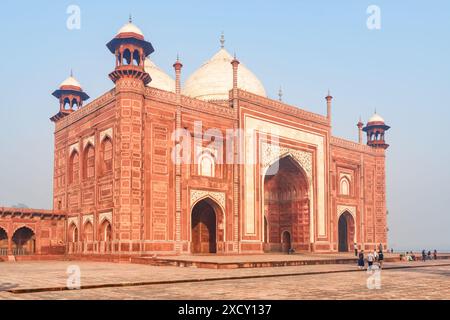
[435, 254]
[381, 258]
[424, 256]
[361, 260]
[370, 259]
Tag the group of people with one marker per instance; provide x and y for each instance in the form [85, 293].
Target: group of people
[410, 256]
[375, 257]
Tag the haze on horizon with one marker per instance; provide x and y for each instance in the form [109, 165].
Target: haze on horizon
[402, 70]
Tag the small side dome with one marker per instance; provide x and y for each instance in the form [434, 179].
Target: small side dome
[376, 118]
[70, 82]
[214, 79]
[130, 28]
[160, 79]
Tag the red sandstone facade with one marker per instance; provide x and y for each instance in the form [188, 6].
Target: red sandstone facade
[286, 183]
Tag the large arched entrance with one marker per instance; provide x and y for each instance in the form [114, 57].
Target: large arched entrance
[286, 206]
[24, 241]
[346, 232]
[3, 242]
[206, 217]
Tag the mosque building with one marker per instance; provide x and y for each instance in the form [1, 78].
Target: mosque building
[213, 166]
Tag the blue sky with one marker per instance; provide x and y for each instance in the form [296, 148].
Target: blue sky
[402, 70]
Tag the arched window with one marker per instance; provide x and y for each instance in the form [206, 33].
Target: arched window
[66, 104]
[89, 162]
[73, 233]
[74, 168]
[88, 232]
[126, 58]
[344, 187]
[75, 104]
[206, 165]
[105, 231]
[136, 58]
[106, 155]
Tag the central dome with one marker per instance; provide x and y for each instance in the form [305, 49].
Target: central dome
[214, 79]
[160, 79]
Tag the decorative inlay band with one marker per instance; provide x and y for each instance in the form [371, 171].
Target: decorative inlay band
[197, 195]
[271, 153]
[105, 216]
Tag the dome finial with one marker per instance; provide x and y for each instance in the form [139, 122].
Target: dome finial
[71, 72]
[280, 94]
[222, 41]
[130, 19]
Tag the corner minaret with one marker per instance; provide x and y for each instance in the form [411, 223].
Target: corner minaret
[360, 126]
[329, 99]
[70, 96]
[375, 129]
[131, 49]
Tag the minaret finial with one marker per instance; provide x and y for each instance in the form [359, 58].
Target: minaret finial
[130, 19]
[222, 41]
[178, 57]
[280, 94]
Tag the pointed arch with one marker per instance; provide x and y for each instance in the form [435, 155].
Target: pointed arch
[287, 208]
[344, 186]
[88, 231]
[89, 161]
[3, 241]
[73, 232]
[74, 167]
[24, 241]
[106, 155]
[207, 165]
[207, 226]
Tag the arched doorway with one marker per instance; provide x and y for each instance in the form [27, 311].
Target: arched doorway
[105, 234]
[286, 206]
[286, 242]
[206, 216]
[24, 241]
[346, 232]
[73, 233]
[105, 231]
[3, 242]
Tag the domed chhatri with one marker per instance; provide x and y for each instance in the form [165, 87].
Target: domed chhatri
[70, 82]
[130, 48]
[376, 129]
[376, 118]
[214, 79]
[160, 79]
[130, 29]
[71, 97]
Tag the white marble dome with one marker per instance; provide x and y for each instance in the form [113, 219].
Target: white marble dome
[214, 79]
[130, 28]
[160, 79]
[376, 118]
[70, 81]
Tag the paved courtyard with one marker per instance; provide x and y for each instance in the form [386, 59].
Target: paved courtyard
[129, 281]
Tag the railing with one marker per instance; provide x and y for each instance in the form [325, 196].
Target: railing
[3, 251]
[20, 252]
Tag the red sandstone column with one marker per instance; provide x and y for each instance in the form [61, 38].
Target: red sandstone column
[329, 98]
[235, 63]
[178, 247]
[236, 166]
[360, 132]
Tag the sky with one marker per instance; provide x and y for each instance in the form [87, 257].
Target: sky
[307, 47]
